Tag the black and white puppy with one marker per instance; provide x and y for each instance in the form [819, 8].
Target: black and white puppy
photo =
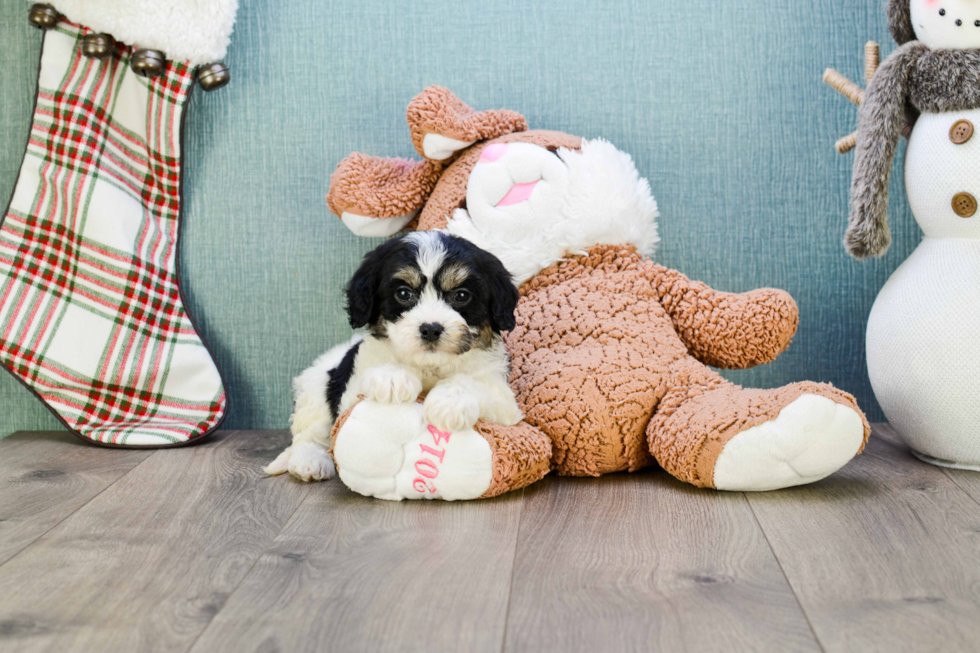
[434, 306]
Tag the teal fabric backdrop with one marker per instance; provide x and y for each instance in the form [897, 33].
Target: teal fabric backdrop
[720, 104]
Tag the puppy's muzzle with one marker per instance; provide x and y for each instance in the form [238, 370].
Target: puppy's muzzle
[431, 332]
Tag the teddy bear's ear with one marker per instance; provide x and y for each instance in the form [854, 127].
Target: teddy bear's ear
[379, 197]
[442, 124]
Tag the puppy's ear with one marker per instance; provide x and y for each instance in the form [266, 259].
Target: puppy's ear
[503, 296]
[362, 289]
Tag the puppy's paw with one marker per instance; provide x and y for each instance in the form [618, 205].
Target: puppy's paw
[451, 408]
[280, 465]
[307, 461]
[506, 415]
[391, 384]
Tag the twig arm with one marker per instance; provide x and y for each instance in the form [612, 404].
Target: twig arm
[843, 85]
[872, 59]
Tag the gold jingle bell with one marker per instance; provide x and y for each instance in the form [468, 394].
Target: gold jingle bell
[98, 46]
[43, 16]
[148, 63]
[213, 76]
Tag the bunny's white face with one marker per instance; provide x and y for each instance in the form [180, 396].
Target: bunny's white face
[530, 207]
[515, 188]
[947, 24]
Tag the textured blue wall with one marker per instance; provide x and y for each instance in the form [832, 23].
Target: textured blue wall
[720, 103]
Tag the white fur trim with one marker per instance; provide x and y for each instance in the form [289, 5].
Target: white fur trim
[598, 198]
[809, 440]
[362, 225]
[439, 148]
[197, 31]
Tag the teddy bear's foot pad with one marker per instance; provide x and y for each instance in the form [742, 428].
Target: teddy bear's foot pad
[810, 439]
[388, 451]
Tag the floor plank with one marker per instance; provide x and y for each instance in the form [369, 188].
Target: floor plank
[883, 556]
[145, 565]
[351, 574]
[887, 432]
[129, 550]
[642, 562]
[968, 481]
[45, 477]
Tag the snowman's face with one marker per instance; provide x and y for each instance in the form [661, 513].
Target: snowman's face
[947, 24]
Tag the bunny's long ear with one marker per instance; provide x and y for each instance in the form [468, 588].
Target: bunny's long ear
[442, 124]
[378, 197]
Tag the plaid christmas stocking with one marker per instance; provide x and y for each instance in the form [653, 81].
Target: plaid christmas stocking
[91, 314]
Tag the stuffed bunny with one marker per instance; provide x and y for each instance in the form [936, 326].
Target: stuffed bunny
[611, 352]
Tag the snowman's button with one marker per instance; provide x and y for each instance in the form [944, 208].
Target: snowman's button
[964, 205]
[961, 131]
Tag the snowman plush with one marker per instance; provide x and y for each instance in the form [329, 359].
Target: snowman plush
[923, 338]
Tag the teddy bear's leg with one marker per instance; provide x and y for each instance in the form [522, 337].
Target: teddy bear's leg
[390, 452]
[730, 438]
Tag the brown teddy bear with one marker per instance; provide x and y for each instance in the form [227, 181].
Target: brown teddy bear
[611, 353]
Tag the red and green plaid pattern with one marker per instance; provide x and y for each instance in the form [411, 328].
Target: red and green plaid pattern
[91, 316]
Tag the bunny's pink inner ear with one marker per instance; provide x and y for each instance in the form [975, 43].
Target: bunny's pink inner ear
[442, 124]
[377, 196]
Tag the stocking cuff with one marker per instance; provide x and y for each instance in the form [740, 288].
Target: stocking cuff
[196, 31]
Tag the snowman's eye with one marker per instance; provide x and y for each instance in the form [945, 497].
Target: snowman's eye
[942, 12]
[958, 22]
[977, 23]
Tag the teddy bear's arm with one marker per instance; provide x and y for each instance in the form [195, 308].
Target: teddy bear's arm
[728, 330]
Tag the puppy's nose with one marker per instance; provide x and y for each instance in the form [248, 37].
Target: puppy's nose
[431, 332]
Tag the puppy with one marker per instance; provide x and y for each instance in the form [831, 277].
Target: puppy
[434, 305]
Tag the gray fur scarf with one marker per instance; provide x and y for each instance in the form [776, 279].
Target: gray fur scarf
[913, 80]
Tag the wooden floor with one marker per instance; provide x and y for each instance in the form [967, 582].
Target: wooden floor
[194, 550]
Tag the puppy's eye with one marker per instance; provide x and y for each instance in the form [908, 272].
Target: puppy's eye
[405, 295]
[461, 297]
